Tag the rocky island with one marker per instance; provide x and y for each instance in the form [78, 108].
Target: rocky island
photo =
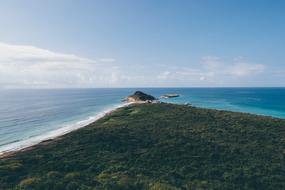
[140, 97]
[170, 96]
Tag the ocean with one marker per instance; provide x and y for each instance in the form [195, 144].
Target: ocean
[29, 116]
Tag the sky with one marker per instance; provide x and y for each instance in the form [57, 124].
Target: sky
[142, 43]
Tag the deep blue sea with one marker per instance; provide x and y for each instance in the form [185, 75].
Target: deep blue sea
[30, 116]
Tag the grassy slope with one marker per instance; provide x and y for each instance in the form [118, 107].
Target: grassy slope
[157, 146]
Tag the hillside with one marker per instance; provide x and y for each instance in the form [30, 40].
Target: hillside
[139, 96]
[157, 147]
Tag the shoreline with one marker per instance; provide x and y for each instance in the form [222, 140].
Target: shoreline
[84, 123]
[55, 135]
[134, 145]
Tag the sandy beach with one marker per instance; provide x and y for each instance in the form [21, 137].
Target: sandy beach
[56, 134]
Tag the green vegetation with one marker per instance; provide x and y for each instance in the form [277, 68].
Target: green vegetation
[157, 147]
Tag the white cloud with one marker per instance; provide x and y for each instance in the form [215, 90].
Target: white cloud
[107, 60]
[163, 75]
[245, 69]
[213, 71]
[179, 76]
[28, 66]
[237, 68]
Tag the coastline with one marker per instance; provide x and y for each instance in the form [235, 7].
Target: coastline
[55, 135]
[160, 138]
[211, 100]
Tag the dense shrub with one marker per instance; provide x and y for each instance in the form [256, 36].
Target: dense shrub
[157, 146]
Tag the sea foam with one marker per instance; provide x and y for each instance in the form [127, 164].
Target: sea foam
[22, 144]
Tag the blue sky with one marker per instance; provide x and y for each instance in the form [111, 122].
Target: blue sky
[146, 43]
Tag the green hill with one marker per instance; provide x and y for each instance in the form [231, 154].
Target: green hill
[157, 147]
[140, 96]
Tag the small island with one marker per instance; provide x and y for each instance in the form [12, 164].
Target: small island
[170, 96]
[141, 97]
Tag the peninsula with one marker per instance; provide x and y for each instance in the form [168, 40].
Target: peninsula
[156, 147]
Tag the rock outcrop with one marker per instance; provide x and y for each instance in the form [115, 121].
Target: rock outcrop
[139, 96]
[170, 96]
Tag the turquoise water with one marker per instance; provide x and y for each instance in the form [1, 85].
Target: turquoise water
[261, 101]
[30, 116]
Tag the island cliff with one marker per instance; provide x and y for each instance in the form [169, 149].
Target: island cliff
[140, 97]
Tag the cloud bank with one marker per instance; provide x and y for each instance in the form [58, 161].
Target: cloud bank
[28, 66]
[32, 67]
[213, 71]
